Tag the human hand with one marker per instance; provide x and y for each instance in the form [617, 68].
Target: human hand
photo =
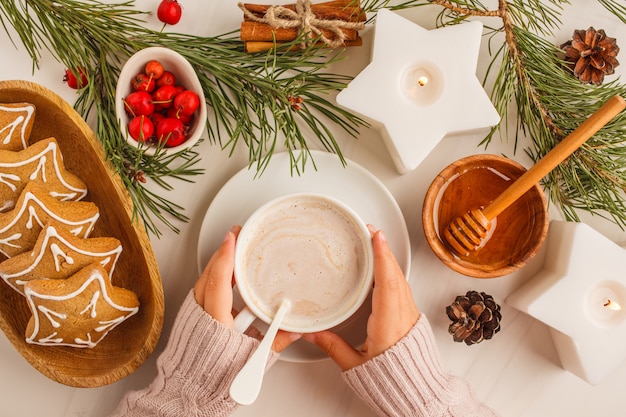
[214, 289]
[393, 315]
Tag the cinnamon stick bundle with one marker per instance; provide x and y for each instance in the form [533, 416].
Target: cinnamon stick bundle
[254, 31]
[331, 10]
[259, 46]
[259, 35]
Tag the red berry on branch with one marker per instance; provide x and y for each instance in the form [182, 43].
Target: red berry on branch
[74, 82]
[169, 12]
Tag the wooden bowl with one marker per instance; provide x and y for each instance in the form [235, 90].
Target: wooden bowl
[473, 182]
[128, 345]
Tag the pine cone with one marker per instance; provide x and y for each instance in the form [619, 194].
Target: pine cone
[591, 55]
[475, 317]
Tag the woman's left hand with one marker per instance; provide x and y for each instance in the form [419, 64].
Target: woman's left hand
[214, 289]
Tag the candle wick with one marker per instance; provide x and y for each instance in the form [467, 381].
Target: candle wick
[422, 81]
[612, 305]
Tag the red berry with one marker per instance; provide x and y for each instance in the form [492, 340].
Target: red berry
[156, 117]
[187, 102]
[141, 128]
[154, 69]
[142, 82]
[166, 79]
[138, 103]
[164, 96]
[172, 131]
[169, 12]
[72, 81]
[186, 119]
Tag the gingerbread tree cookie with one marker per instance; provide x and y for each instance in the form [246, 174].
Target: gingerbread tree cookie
[40, 162]
[58, 254]
[20, 227]
[16, 123]
[78, 311]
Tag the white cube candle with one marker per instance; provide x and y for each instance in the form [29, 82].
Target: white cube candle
[580, 293]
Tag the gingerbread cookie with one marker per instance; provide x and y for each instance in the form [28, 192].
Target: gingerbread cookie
[58, 254]
[16, 123]
[20, 227]
[40, 162]
[78, 311]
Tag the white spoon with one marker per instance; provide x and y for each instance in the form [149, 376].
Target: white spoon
[247, 384]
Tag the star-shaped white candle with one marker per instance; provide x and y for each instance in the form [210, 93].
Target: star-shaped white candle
[581, 294]
[419, 86]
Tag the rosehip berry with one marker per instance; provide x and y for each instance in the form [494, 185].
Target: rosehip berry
[154, 69]
[166, 79]
[186, 119]
[172, 131]
[138, 103]
[142, 82]
[164, 97]
[156, 117]
[187, 102]
[169, 12]
[72, 81]
[141, 128]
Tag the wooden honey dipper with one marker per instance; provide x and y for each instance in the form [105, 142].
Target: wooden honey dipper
[466, 233]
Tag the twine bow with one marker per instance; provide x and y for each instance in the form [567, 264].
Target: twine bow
[310, 25]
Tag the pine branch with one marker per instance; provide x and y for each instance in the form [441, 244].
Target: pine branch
[251, 95]
[549, 102]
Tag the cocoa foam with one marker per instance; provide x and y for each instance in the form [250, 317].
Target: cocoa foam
[307, 250]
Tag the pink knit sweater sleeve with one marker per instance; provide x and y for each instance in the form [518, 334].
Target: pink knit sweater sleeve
[195, 370]
[409, 380]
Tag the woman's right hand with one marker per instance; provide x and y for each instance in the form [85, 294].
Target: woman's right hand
[393, 315]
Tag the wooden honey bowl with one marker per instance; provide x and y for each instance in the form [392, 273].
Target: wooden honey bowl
[473, 182]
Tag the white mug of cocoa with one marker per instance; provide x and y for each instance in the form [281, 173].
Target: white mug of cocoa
[309, 249]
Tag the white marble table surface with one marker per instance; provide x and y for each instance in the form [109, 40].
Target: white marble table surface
[517, 372]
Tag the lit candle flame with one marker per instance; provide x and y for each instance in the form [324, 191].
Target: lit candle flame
[613, 305]
[422, 81]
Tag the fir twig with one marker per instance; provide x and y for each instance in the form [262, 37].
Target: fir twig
[534, 83]
[251, 95]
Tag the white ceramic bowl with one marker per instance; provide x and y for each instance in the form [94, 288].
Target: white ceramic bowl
[185, 75]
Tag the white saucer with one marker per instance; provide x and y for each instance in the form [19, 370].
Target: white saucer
[353, 184]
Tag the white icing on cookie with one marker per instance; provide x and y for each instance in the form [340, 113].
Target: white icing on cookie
[52, 316]
[7, 178]
[41, 168]
[59, 257]
[51, 339]
[22, 120]
[61, 315]
[32, 217]
[92, 305]
[8, 241]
